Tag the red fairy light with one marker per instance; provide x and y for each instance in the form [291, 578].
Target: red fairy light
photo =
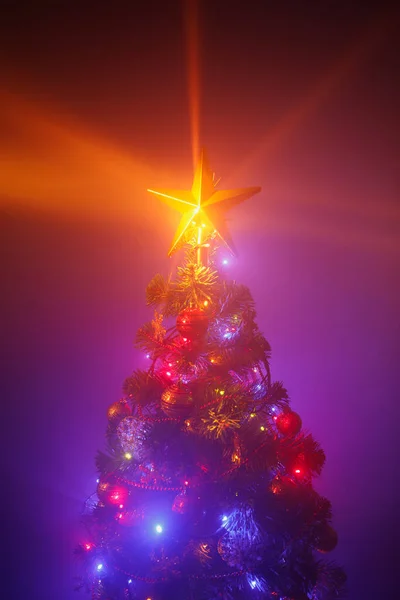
[88, 546]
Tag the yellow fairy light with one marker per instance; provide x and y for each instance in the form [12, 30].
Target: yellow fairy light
[128, 455]
[221, 392]
[235, 458]
[205, 303]
[252, 415]
[262, 428]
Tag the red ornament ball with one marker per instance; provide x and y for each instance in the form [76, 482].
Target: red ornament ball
[326, 539]
[177, 401]
[192, 323]
[118, 411]
[288, 423]
[110, 492]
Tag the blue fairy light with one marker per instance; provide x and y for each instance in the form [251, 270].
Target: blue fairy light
[100, 566]
[256, 583]
[158, 528]
[225, 261]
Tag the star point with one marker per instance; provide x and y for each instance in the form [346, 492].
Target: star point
[206, 202]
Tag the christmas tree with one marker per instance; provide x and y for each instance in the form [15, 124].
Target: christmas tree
[205, 490]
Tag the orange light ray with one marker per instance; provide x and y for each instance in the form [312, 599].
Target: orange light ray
[353, 57]
[172, 198]
[50, 161]
[368, 239]
[193, 73]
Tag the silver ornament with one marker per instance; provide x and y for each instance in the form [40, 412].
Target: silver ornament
[132, 434]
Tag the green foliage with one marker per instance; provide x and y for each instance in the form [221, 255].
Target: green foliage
[303, 450]
[193, 286]
[277, 395]
[196, 284]
[225, 452]
[105, 463]
[143, 388]
[157, 291]
[235, 298]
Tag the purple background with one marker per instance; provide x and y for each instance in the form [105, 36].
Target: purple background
[302, 101]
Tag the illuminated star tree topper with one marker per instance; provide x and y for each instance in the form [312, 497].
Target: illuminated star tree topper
[203, 207]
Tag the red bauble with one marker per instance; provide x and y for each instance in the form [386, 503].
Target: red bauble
[118, 411]
[177, 401]
[110, 492]
[326, 539]
[288, 423]
[192, 323]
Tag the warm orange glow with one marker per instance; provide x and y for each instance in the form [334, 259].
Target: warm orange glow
[193, 73]
[51, 162]
[169, 197]
[319, 93]
[205, 200]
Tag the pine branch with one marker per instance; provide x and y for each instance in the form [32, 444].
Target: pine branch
[142, 387]
[157, 290]
[235, 298]
[104, 462]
